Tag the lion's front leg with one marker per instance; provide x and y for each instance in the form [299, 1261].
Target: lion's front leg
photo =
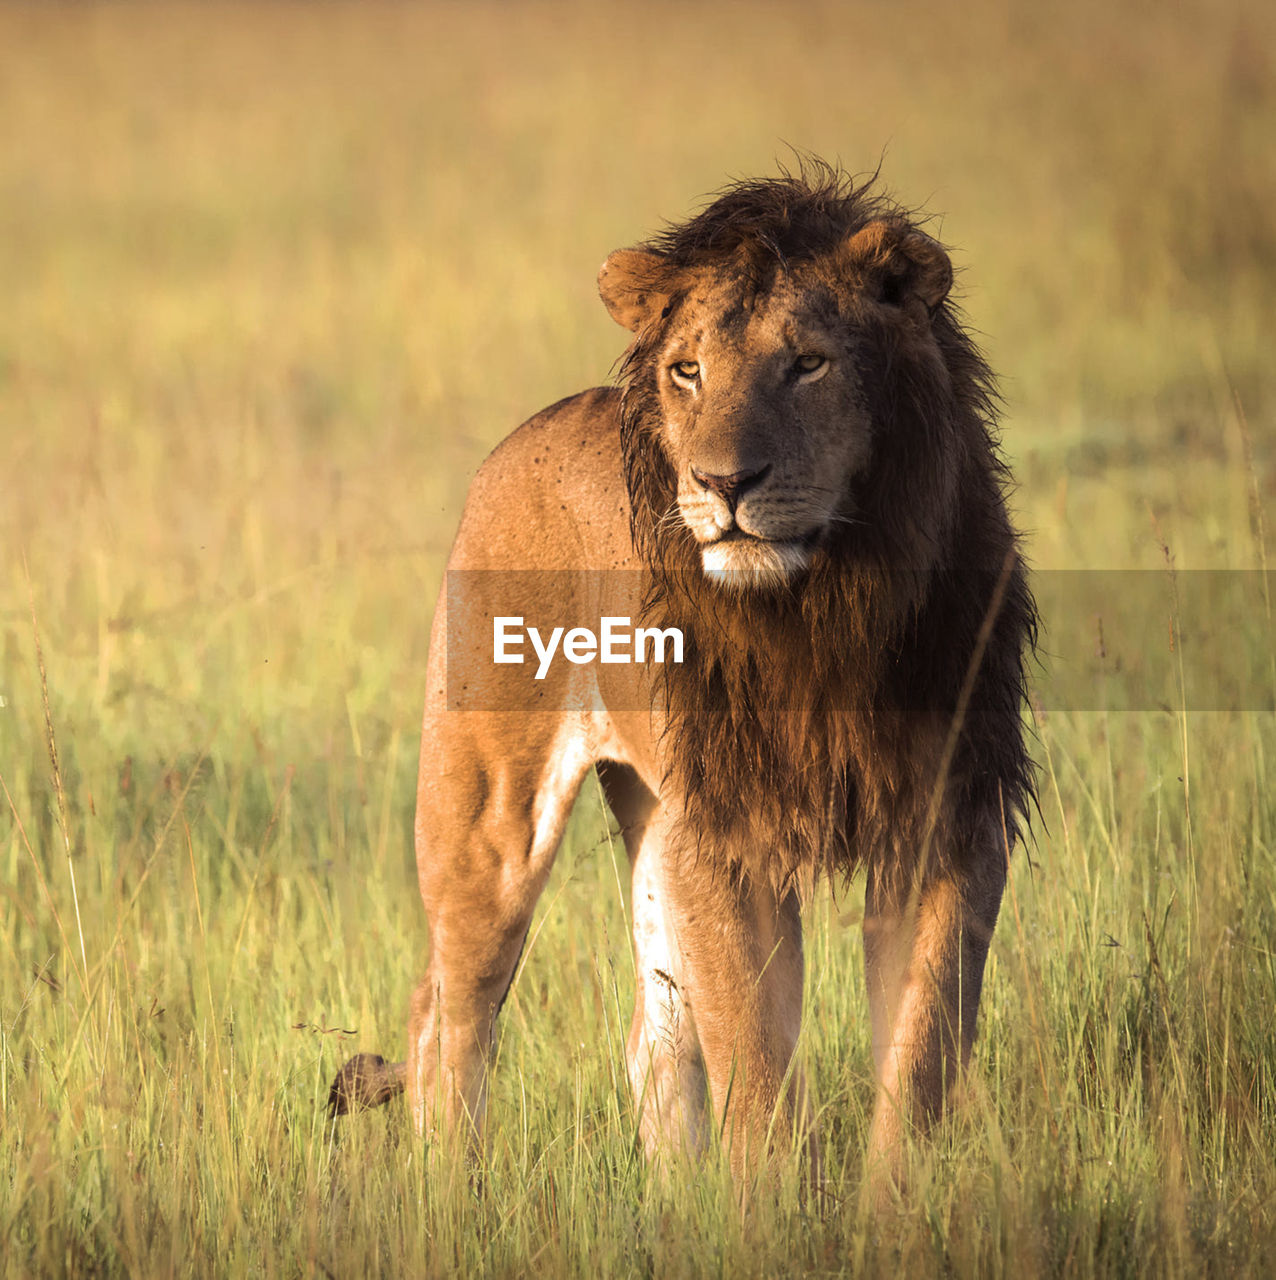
[925, 949]
[741, 951]
[666, 1067]
[662, 1053]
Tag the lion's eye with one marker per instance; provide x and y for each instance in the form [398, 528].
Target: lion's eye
[686, 373]
[810, 364]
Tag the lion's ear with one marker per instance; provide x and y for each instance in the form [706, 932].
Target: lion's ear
[898, 263]
[629, 285]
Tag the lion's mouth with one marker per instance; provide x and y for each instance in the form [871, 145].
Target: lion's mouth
[743, 561]
[808, 541]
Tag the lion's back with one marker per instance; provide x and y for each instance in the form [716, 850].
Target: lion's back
[551, 495]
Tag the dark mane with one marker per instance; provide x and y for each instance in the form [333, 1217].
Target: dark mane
[788, 219]
[879, 699]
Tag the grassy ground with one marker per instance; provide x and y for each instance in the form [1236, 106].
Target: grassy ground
[275, 279]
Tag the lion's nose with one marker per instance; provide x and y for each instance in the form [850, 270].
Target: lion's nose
[730, 488]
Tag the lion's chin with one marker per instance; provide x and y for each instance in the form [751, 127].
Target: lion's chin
[752, 564]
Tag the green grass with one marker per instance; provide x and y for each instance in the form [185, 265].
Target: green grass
[275, 279]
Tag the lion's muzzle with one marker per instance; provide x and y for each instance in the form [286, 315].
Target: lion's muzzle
[731, 488]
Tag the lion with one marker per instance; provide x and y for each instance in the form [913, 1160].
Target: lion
[800, 468]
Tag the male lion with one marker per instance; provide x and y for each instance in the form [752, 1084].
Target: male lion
[801, 465]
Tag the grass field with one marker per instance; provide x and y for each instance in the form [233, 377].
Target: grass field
[275, 278]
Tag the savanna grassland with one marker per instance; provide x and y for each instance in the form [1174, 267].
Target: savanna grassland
[274, 280]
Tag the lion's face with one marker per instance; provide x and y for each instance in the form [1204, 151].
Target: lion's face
[764, 419]
[764, 425]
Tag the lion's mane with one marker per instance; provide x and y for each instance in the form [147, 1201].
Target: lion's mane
[813, 729]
